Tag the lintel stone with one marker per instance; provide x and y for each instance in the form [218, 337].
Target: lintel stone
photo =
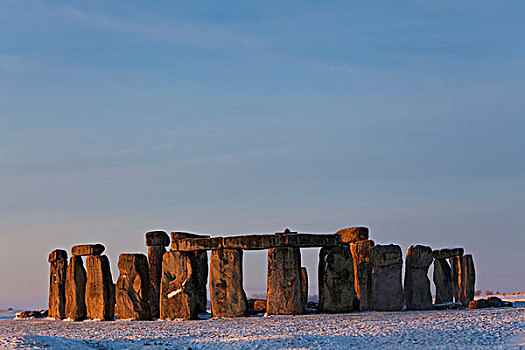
[87, 249]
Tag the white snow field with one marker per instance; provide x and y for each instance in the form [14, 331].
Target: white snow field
[463, 329]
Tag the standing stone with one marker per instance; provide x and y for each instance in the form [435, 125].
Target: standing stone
[284, 295]
[443, 281]
[362, 272]
[201, 269]
[57, 284]
[454, 268]
[76, 289]
[466, 279]
[417, 284]
[387, 290]
[100, 290]
[156, 242]
[336, 280]
[226, 288]
[133, 286]
[178, 297]
[304, 285]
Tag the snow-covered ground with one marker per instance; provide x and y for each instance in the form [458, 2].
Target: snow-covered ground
[463, 329]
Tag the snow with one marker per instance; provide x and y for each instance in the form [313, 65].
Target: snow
[449, 329]
[175, 292]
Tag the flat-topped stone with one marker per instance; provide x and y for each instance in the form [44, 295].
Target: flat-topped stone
[57, 254]
[87, 249]
[353, 234]
[157, 238]
[386, 255]
[181, 235]
[257, 242]
[447, 253]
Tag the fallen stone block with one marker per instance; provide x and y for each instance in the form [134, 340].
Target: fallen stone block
[489, 302]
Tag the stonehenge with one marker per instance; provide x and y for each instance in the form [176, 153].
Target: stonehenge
[354, 274]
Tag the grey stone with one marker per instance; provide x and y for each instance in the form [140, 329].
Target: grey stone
[387, 290]
[454, 270]
[154, 238]
[76, 289]
[87, 249]
[336, 280]
[284, 295]
[133, 286]
[447, 253]
[155, 254]
[362, 272]
[57, 284]
[178, 291]
[228, 298]
[417, 284]
[353, 234]
[100, 290]
[304, 285]
[466, 279]
[443, 281]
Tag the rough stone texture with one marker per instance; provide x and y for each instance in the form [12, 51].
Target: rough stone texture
[100, 290]
[226, 290]
[255, 242]
[454, 272]
[57, 284]
[57, 254]
[87, 249]
[443, 281]
[259, 306]
[466, 279]
[154, 238]
[155, 254]
[284, 296]
[353, 234]
[133, 286]
[304, 285]
[76, 289]
[417, 284]
[489, 302]
[336, 280]
[362, 272]
[387, 290]
[181, 235]
[447, 253]
[178, 292]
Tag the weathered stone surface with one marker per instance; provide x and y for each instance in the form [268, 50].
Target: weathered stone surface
[100, 290]
[57, 254]
[447, 253]
[181, 235]
[362, 272]
[133, 286]
[454, 270]
[87, 249]
[304, 285]
[466, 279]
[178, 291]
[259, 306]
[443, 281]
[154, 238]
[284, 296]
[448, 306]
[353, 234]
[57, 284]
[387, 290]
[155, 254]
[76, 289]
[489, 302]
[31, 314]
[256, 242]
[226, 290]
[417, 284]
[336, 280]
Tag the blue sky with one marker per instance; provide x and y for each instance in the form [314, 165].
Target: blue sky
[227, 118]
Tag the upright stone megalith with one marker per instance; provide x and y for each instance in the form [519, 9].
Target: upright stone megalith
[284, 294]
[178, 292]
[336, 280]
[228, 298]
[304, 285]
[201, 269]
[387, 290]
[417, 284]
[156, 241]
[362, 272]
[76, 289]
[57, 284]
[100, 290]
[466, 279]
[443, 275]
[133, 287]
